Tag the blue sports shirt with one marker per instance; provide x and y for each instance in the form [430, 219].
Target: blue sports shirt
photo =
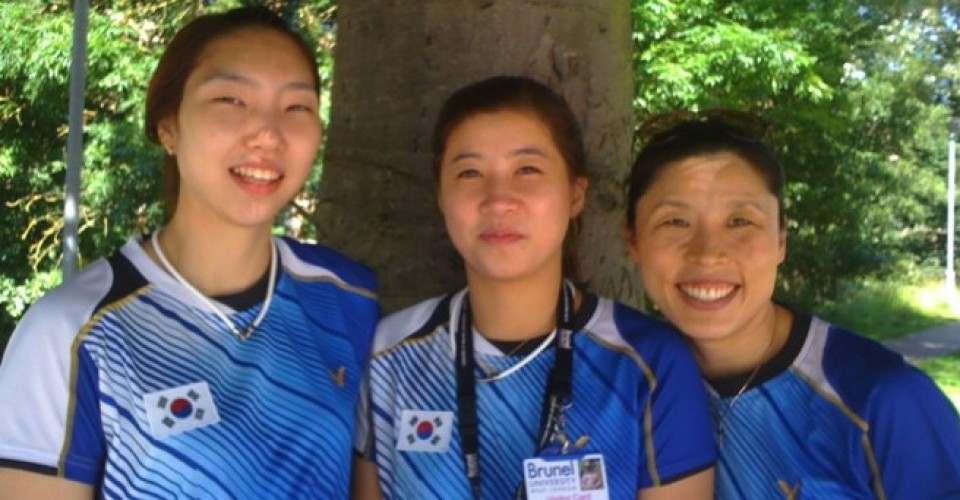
[122, 379]
[836, 415]
[638, 398]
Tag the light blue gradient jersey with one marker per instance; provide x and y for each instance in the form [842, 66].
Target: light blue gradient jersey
[637, 395]
[268, 417]
[836, 415]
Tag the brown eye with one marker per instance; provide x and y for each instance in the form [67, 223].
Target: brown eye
[299, 107]
[229, 100]
[676, 222]
[528, 169]
[468, 173]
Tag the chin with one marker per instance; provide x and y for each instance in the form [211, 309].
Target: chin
[701, 336]
[700, 332]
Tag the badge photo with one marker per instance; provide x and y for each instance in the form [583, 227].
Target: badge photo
[576, 475]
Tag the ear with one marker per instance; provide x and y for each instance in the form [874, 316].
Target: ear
[167, 132]
[579, 196]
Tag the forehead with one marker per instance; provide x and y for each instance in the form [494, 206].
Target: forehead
[500, 133]
[709, 183]
[256, 48]
[710, 172]
[503, 122]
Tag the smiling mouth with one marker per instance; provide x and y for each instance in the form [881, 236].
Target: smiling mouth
[708, 293]
[257, 175]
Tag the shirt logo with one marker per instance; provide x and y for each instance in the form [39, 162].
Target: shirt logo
[339, 377]
[180, 409]
[425, 431]
[789, 492]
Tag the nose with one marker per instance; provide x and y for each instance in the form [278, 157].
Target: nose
[499, 195]
[706, 246]
[266, 132]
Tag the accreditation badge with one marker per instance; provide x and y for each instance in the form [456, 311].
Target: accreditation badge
[575, 476]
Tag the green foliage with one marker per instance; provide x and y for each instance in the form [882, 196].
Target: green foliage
[945, 371]
[857, 99]
[701, 54]
[885, 310]
[16, 297]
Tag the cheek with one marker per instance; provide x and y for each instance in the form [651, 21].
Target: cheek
[654, 268]
[660, 247]
[654, 263]
[454, 219]
[655, 283]
[764, 252]
[215, 120]
[304, 134]
[205, 132]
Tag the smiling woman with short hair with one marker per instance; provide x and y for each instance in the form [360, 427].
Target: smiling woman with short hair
[802, 408]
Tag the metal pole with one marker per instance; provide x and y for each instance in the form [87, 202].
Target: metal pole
[951, 274]
[78, 78]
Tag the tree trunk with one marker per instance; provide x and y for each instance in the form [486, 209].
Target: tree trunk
[397, 60]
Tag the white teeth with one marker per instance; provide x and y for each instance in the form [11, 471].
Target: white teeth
[708, 294]
[257, 174]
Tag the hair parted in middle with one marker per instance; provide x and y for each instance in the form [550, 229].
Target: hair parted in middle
[180, 59]
[524, 95]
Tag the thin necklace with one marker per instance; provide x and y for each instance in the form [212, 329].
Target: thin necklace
[246, 332]
[493, 377]
[523, 362]
[746, 385]
[501, 345]
[517, 348]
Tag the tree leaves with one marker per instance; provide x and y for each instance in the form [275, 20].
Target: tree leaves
[855, 91]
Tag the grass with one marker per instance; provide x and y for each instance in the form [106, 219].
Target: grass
[945, 370]
[885, 311]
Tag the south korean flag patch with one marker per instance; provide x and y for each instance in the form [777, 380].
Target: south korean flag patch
[180, 409]
[425, 431]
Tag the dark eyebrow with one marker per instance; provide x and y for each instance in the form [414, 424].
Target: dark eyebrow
[529, 151]
[671, 203]
[747, 203]
[524, 151]
[468, 155]
[230, 76]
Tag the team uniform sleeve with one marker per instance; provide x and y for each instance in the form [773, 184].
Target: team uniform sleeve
[49, 411]
[915, 431]
[682, 435]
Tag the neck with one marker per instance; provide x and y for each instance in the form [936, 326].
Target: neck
[215, 260]
[514, 311]
[745, 350]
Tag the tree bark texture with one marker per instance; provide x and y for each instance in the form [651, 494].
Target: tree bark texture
[397, 60]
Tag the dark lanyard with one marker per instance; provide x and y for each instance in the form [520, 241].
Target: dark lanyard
[559, 390]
